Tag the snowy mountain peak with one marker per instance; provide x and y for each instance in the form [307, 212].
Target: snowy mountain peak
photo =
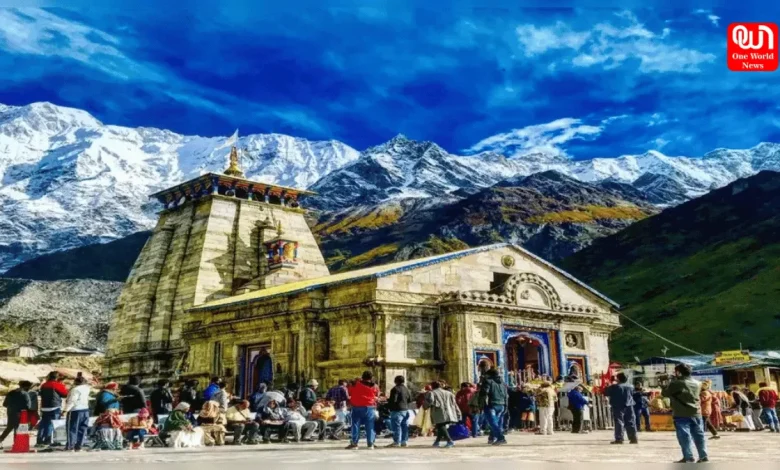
[398, 139]
[44, 119]
[542, 157]
[67, 180]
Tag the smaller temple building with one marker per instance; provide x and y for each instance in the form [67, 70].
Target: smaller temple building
[232, 284]
[445, 316]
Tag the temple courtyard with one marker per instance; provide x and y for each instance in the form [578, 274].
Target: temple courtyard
[562, 448]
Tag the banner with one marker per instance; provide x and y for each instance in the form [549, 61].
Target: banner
[716, 379]
[731, 357]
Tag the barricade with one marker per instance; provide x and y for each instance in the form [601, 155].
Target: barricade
[22, 435]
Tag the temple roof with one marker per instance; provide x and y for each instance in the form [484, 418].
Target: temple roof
[377, 272]
[195, 185]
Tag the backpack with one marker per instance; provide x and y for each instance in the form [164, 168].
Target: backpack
[458, 431]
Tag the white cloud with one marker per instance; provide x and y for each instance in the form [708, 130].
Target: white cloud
[714, 19]
[660, 143]
[538, 40]
[540, 138]
[611, 45]
[38, 32]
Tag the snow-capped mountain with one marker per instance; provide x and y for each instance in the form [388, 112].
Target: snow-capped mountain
[406, 168]
[402, 168]
[66, 179]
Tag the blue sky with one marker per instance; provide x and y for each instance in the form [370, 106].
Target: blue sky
[586, 82]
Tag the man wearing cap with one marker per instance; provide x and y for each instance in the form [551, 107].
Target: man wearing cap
[309, 394]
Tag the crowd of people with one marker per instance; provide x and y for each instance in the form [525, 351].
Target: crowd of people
[695, 410]
[124, 418]
[120, 417]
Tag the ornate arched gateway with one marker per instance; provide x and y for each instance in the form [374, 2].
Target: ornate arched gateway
[528, 354]
[523, 323]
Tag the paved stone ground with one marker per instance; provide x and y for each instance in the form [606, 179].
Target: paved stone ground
[562, 448]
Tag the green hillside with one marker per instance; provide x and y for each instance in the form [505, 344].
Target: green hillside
[705, 274]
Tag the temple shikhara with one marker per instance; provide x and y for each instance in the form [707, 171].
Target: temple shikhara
[232, 283]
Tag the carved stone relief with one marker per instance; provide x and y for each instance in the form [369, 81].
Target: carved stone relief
[484, 332]
[574, 340]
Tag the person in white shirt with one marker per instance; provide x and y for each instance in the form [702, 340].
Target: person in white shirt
[295, 418]
[77, 413]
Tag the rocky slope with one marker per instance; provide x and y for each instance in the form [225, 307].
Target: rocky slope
[703, 274]
[549, 213]
[56, 314]
[68, 180]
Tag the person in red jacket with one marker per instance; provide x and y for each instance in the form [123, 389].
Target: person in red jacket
[363, 394]
[462, 398]
[51, 392]
[767, 397]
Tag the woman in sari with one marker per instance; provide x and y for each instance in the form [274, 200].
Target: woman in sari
[208, 419]
[716, 417]
[108, 431]
[423, 417]
[180, 429]
[707, 399]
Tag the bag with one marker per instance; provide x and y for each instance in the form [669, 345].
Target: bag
[458, 431]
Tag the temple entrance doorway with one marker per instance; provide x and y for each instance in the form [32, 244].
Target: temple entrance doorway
[527, 357]
[576, 368]
[257, 367]
[484, 360]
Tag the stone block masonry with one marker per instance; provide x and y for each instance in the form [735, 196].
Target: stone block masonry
[202, 250]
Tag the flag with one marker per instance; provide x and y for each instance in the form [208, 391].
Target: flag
[232, 140]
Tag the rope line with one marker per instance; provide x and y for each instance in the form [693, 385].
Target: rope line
[684, 348]
[661, 337]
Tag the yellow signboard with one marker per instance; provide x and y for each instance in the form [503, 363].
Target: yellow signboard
[731, 357]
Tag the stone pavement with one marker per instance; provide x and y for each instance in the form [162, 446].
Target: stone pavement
[561, 448]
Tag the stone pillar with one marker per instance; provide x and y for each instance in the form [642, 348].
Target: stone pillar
[561, 356]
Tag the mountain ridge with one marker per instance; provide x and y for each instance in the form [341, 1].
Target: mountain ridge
[703, 274]
[68, 180]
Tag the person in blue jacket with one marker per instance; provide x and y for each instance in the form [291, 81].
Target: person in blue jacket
[641, 407]
[621, 400]
[527, 407]
[211, 389]
[577, 402]
[107, 399]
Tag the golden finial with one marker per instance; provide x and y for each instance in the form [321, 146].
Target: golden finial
[233, 169]
[279, 228]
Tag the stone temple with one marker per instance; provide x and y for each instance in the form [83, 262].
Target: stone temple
[232, 283]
